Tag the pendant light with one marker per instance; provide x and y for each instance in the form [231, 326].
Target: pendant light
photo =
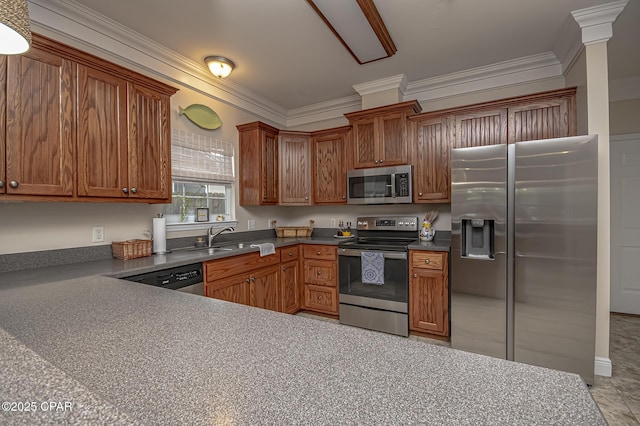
[15, 30]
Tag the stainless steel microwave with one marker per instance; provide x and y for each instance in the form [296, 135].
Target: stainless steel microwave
[380, 185]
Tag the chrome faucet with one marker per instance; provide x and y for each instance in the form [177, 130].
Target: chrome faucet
[214, 231]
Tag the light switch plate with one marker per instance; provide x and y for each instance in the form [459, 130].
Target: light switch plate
[251, 224]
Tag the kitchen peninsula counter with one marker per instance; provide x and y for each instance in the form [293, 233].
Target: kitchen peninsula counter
[137, 354]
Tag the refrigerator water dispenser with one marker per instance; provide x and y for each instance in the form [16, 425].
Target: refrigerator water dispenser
[477, 238]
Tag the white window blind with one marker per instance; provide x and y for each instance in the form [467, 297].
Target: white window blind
[198, 158]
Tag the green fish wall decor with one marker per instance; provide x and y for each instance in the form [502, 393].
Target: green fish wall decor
[202, 116]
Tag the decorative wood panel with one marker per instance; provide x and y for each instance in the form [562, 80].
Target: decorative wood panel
[290, 280]
[330, 167]
[364, 145]
[430, 160]
[102, 132]
[295, 168]
[39, 124]
[393, 139]
[149, 144]
[540, 120]
[481, 128]
[321, 299]
[264, 289]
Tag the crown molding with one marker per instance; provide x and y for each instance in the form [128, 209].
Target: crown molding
[597, 22]
[399, 82]
[322, 111]
[507, 73]
[78, 25]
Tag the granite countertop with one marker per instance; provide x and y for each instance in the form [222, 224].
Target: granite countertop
[128, 353]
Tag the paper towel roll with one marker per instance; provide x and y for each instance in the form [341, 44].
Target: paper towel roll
[159, 235]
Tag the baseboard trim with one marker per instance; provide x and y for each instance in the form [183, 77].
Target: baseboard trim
[603, 367]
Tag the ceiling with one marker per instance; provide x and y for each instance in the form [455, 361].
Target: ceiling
[286, 54]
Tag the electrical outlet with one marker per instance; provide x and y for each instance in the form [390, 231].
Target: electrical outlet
[251, 224]
[98, 234]
[333, 223]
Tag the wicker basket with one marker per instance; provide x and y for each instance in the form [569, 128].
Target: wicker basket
[131, 249]
[293, 231]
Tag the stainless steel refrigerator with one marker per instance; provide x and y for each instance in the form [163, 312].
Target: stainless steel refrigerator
[523, 261]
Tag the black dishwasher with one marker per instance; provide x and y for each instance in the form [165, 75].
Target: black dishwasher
[187, 278]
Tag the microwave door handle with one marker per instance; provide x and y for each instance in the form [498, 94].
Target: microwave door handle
[393, 185]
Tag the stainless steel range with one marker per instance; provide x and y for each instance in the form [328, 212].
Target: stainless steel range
[374, 274]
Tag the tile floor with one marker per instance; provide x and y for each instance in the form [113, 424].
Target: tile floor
[617, 396]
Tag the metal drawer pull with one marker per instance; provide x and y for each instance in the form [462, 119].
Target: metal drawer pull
[13, 184]
[426, 261]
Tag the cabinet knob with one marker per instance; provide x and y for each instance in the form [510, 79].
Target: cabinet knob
[1, 184]
[306, 198]
[319, 298]
[13, 184]
[284, 268]
[415, 275]
[247, 280]
[134, 190]
[426, 261]
[420, 194]
[344, 197]
[319, 273]
[253, 278]
[376, 162]
[318, 253]
[290, 253]
[125, 190]
[380, 161]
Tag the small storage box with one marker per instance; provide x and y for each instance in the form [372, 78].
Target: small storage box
[131, 249]
[293, 231]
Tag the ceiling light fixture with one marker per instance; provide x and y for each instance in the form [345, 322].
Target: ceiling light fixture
[358, 26]
[15, 29]
[219, 66]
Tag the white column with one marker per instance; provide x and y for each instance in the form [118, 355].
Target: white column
[597, 29]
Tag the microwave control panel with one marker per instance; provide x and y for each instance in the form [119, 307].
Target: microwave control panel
[402, 185]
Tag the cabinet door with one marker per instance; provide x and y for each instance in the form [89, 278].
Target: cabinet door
[330, 169]
[290, 286]
[295, 169]
[269, 167]
[488, 127]
[232, 289]
[430, 159]
[426, 294]
[365, 153]
[39, 124]
[392, 139]
[540, 120]
[149, 144]
[264, 289]
[102, 134]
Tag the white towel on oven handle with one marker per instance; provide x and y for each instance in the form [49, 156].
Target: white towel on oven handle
[372, 263]
[265, 248]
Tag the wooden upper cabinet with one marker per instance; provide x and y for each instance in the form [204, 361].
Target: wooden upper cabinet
[330, 166]
[73, 117]
[102, 134]
[258, 143]
[542, 119]
[379, 136]
[149, 144]
[39, 124]
[479, 128]
[295, 169]
[430, 159]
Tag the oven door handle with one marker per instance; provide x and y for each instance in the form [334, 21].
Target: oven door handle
[387, 254]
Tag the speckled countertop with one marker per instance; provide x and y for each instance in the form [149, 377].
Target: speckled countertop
[125, 353]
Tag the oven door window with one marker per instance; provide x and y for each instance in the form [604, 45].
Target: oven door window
[378, 186]
[396, 279]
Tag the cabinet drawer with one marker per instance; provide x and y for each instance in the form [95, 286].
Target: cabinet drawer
[321, 272]
[428, 260]
[289, 253]
[320, 252]
[321, 299]
[229, 266]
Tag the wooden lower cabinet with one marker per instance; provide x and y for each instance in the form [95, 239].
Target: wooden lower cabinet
[320, 270]
[429, 292]
[263, 282]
